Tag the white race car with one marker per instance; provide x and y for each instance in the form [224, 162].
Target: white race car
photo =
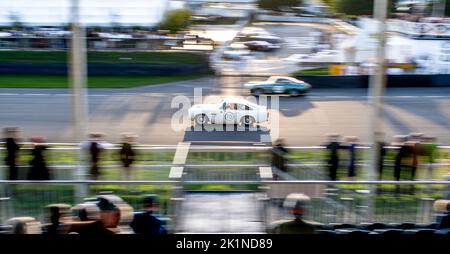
[229, 111]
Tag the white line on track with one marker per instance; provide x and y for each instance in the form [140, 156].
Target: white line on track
[405, 96]
[436, 96]
[310, 96]
[36, 94]
[338, 96]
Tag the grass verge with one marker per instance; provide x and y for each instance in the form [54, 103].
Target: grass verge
[43, 81]
[105, 57]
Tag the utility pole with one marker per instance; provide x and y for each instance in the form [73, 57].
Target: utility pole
[376, 90]
[77, 56]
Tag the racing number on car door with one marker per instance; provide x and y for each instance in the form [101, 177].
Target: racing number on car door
[230, 113]
[229, 116]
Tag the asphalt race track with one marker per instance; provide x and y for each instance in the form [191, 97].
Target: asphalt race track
[147, 112]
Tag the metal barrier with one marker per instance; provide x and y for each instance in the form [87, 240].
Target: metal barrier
[209, 162]
[340, 202]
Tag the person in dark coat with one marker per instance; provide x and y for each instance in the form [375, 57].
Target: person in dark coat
[95, 147]
[127, 154]
[87, 220]
[333, 156]
[57, 216]
[38, 164]
[402, 153]
[351, 146]
[102, 217]
[279, 154]
[12, 151]
[147, 223]
[297, 204]
[416, 150]
[381, 155]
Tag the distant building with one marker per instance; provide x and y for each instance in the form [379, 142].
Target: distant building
[443, 59]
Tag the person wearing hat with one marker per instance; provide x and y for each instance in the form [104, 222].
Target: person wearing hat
[58, 216]
[297, 204]
[416, 149]
[12, 151]
[102, 217]
[24, 225]
[38, 164]
[146, 223]
[381, 155]
[333, 155]
[403, 151]
[127, 154]
[442, 207]
[95, 147]
[87, 211]
[279, 154]
[351, 146]
[430, 149]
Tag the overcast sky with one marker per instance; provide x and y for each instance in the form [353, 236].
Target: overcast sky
[93, 12]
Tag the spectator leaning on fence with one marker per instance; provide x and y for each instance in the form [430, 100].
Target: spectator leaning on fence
[402, 152]
[127, 154]
[279, 154]
[381, 154]
[333, 147]
[38, 164]
[95, 146]
[12, 151]
[351, 143]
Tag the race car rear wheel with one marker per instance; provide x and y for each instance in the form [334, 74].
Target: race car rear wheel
[257, 92]
[247, 121]
[294, 92]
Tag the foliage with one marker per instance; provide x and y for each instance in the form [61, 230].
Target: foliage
[278, 5]
[355, 7]
[176, 20]
[447, 8]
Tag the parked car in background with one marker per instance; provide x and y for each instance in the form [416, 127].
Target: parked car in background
[326, 56]
[261, 45]
[295, 58]
[236, 51]
[279, 85]
[267, 38]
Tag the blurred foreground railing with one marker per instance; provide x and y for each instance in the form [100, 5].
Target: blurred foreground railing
[331, 201]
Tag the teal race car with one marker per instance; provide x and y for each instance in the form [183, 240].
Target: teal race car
[279, 85]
